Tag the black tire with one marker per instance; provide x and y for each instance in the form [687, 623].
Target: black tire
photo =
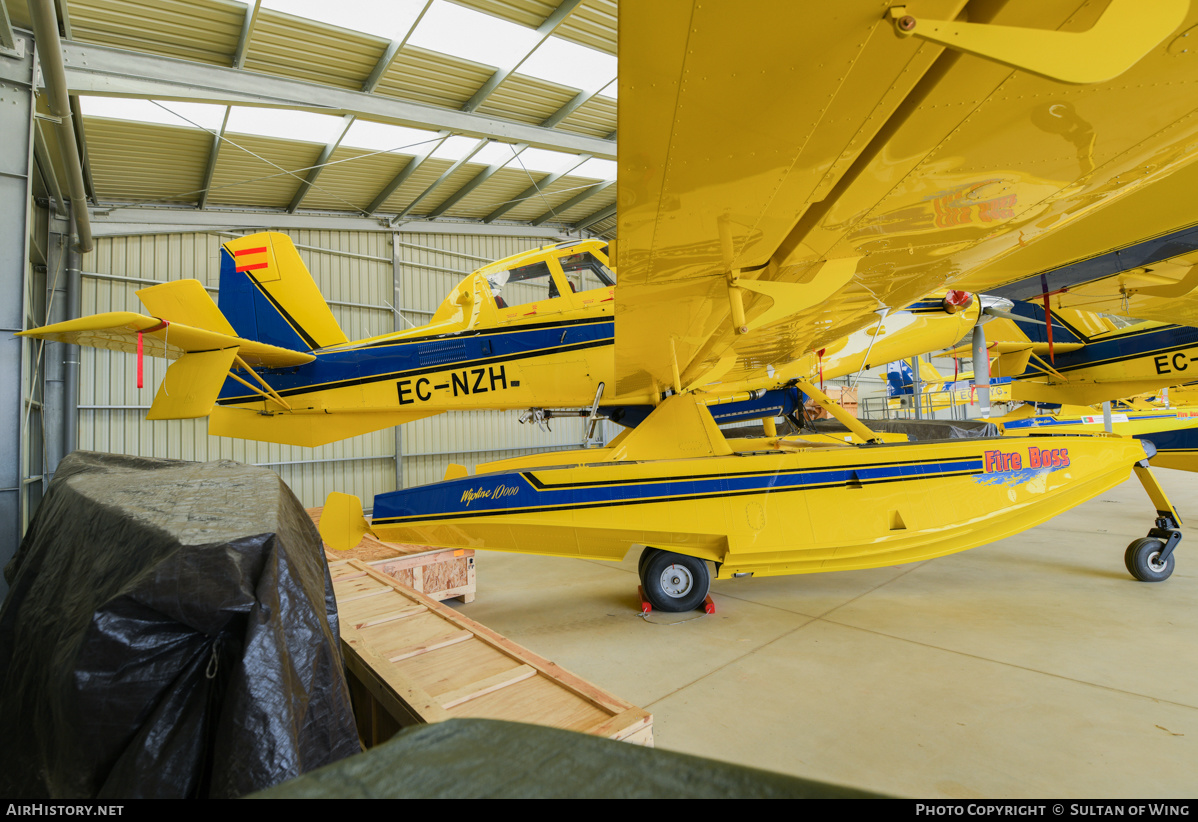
[675, 582]
[1143, 560]
[646, 555]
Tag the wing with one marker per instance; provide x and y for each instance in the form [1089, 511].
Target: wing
[787, 169]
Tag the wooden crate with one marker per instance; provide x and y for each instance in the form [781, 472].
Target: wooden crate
[412, 661]
[441, 573]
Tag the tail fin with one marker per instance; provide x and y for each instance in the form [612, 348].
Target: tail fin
[267, 294]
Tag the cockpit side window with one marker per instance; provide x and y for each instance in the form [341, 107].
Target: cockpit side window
[585, 271]
[526, 284]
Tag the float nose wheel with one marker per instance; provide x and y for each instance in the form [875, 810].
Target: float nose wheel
[1150, 558]
[673, 582]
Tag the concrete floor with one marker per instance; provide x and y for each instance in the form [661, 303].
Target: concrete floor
[1032, 667]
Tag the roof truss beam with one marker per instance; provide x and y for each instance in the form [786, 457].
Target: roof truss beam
[544, 30]
[575, 200]
[536, 188]
[213, 155]
[318, 166]
[104, 71]
[393, 50]
[247, 31]
[601, 214]
[444, 176]
[478, 179]
[404, 173]
[580, 99]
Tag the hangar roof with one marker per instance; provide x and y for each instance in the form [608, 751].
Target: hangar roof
[493, 111]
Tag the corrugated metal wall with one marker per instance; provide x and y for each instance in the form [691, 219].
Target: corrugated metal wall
[359, 283]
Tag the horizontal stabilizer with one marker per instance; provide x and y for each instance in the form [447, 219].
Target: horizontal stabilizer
[187, 303]
[118, 330]
[191, 385]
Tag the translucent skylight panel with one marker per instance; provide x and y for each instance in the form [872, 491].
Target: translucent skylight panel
[285, 124]
[472, 35]
[384, 137]
[494, 153]
[570, 64]
[539, 159]
[596, 169]
[455, 148]
[201, 115]
[384, 18]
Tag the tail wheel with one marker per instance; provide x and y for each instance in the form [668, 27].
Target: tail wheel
[675, 582]
[1143, 560]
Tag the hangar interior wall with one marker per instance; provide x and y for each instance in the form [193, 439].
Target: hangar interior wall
[361, 274]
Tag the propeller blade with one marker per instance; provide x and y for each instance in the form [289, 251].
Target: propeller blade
[981, 369]
[1007, 315]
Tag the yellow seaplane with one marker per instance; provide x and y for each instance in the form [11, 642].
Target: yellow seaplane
[788, 175]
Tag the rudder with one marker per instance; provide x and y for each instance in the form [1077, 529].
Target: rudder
[267, 295]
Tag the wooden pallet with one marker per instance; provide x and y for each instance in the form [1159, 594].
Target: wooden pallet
[412, 661]
[441, 573]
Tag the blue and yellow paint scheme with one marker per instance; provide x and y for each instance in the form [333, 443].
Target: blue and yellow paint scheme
[270, 362]
[765, 506]
[789, 173]
[1092, 357]
[1173, 431]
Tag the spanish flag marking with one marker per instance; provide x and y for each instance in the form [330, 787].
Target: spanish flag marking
[251, 266]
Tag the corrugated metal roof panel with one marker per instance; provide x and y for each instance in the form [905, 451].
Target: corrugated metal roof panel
[309, 50]
[587, 207]
[503, 186]
[604, 228]
[206, 31]
[430, 77]
[592, 24]
[241, 178]
[529, 13]
[526, 99]
[452, 183]
[139, 161]
[596, 117]
[548, 197]
[429, 171]
[356, 175]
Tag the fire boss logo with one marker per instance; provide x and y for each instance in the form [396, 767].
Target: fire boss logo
[1000, 461]
[957, 207]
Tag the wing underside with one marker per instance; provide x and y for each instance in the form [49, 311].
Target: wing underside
[810, 163]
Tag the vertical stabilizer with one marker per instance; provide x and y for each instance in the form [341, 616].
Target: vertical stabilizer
[268, 295]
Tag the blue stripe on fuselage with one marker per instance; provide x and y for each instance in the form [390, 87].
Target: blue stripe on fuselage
[394, 361]
[513, 491]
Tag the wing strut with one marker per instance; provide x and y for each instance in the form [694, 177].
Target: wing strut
[269, 393]
[844, 417]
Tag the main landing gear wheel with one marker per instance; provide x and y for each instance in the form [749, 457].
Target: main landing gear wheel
[1143, 559]
[675, 582]
[646, 555]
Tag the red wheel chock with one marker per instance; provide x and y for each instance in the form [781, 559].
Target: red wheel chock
[647, 608]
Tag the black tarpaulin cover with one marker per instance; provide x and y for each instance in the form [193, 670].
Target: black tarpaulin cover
[170, 631]
[492, 759]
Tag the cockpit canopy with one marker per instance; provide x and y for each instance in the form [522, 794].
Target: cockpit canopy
[544, 273]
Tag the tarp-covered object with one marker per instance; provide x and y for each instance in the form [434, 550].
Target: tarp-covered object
[492, 759]
[170, 631]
